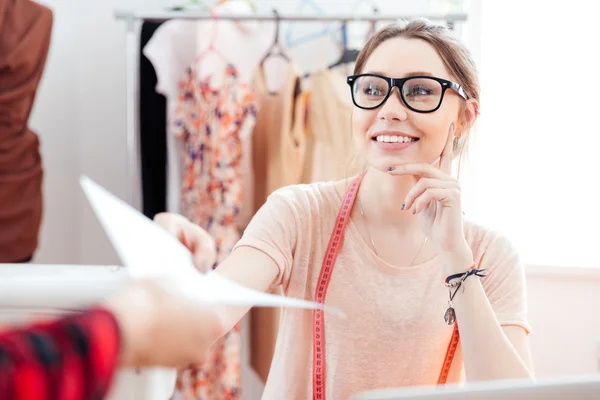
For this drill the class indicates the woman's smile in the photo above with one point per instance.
(392, 140)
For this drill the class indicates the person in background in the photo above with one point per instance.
(25, 30)
(75, 357)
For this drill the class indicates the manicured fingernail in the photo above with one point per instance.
(402, 207)
(391, 168)
(414, 211)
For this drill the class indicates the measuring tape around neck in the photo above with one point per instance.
(333, 249)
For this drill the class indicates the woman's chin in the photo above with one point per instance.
(384, 164)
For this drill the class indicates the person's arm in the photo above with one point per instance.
(491, 316)
(491, 320)
(75, 357)
(261, 259)
(251, 268)
(70, 358)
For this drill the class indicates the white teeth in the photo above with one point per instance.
(394, 139)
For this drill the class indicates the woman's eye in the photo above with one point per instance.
(419, 91)
(373, 90)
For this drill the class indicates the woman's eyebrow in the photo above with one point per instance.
(414, 73)
(419, 73)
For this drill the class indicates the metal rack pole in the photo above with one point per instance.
(130, 106)
(193, 15)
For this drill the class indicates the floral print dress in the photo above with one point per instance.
(212, 123)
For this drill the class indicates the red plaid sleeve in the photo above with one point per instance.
(71, 358)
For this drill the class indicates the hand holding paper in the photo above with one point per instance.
(148, 251)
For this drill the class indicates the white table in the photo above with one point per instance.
(30, 291)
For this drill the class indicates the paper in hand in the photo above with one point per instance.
(149, 251)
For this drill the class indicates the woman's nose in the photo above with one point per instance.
(393, 108)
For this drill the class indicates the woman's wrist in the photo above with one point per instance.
(458, 261)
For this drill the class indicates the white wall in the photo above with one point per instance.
(566, 326)
(538, 133)
(79, 115)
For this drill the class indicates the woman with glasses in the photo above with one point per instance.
(428, 296)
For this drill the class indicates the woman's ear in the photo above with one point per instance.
(470, 114)
(466, 119)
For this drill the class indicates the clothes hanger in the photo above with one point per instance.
(291, 42)
(374, 9)
(372, 3)
(276, 49)
(211, 45)
(348, 56)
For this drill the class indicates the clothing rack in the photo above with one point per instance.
(195, 15)
(132, 17)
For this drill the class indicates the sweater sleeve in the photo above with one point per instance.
(71, 358)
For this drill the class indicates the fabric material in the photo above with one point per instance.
(153, 132)
(279, 151)
(25, 260)
(331, 148)
(400, 308)
(25, 30)
(174, 47)
(274, 137)
(171, 50)
(213, 123)
(72, 358)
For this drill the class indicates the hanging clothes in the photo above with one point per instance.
(25, 30)
(331, 147)
(212, 124)
(153, 132)
(294, 144)
(279, 150)
(278, 146)
(173, 48)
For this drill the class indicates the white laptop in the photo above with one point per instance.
(585, 387)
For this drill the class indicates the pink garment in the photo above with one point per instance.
(394, 334)
(212, 123)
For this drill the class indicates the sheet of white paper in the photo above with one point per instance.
(148, 251)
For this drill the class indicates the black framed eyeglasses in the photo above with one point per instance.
(422, 94)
